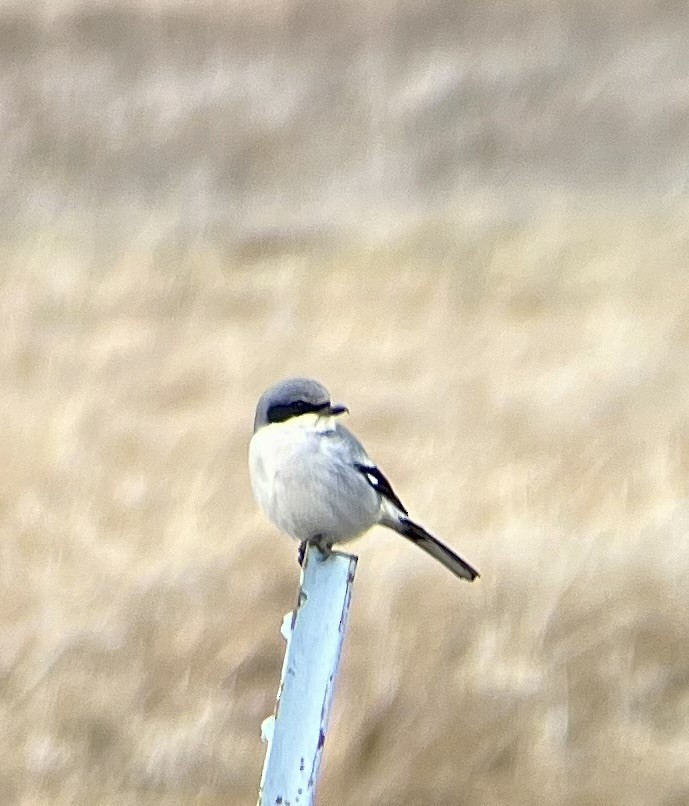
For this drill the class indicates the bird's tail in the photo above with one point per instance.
(438, 550)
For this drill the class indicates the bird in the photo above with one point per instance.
(314, 480)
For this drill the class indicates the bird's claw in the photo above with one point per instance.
(324, 548)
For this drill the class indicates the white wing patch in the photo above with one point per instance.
(380, 484)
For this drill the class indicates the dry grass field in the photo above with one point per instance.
(471, 222)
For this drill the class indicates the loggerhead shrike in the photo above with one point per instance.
(314, 480)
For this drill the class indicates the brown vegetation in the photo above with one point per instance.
(503, 306)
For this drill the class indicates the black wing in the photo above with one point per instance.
(380, 484)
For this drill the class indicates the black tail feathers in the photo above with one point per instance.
(438, 550)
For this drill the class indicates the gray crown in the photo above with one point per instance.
(285, 394)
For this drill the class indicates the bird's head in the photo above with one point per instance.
(295, 397)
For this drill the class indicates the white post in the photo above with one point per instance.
(314, 635)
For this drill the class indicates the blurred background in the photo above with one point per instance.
(469, 220)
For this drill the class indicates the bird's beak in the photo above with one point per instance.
(336, 408)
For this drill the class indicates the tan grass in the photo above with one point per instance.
(535, 419)
(468, 220)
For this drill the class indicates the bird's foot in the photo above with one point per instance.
(323, 546)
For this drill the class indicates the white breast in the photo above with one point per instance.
(302, 480)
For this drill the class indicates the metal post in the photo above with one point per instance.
(314, 635)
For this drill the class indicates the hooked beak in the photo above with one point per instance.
(334, 409)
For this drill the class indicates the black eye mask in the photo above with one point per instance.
(279, 412)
